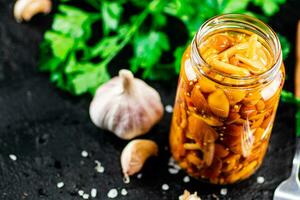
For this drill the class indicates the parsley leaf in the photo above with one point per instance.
(285, 46)
(73, 22)
(59, 44)
(269, 7)
(148, 49)
(233, 6)
(111, 13)
(93, 76)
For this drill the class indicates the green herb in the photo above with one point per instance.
(285, 46)
(78, 60)
(288, 97)
(269, 7)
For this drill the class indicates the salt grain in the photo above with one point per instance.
(112, 193)
(99, 168)
(223, 191)
(93, 192)
(215, 196)
(60, 184)
(84, 154)
(173, 170)
(139, 176)
(85, 196)
(80, 192)
(165, 187)
(172, 163)
(186, 179)
(169, 108)
(260, 180)
(126, 179)
(124, 192)
(13, 157)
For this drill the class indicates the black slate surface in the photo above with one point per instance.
(47, 129)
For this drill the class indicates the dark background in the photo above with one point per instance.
(47, 129)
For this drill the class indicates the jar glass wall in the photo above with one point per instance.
(228, 92)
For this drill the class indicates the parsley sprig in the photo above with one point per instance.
(79, 66)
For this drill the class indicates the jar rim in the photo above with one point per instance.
(250, 23)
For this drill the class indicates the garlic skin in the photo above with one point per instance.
(26, 9)
(135, 154)
(188, 196)
(126, 106)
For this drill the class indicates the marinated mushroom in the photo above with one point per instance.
(221, 132)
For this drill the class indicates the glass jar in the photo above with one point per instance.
(224, 113)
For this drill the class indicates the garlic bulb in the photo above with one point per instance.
(26, 9)
(135, 154)
(126, 106)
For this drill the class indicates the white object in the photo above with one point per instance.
(165, 187)
(85, 196)
(260, 179)
(13, 157)
(99, 168)
(84, 154)
(80, 192)
(126, 106)
(169, 109)
(188, 196)
(173, 170)
(124, 192)
(60, 184)
(172, 163)
(112, 193)
(93, 192)
(223, 191)
(186, 179)
(139, 176)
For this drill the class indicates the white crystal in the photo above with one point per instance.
(112, 193)
(85, 196)
(80, 192)
(260, 179)
(169, 109)
(165, 187)
(93, 192)
(223, 191)
(13, 157)
(84, 154)
(124, 192)
(186, 179)
(60, 184)
(173, 170)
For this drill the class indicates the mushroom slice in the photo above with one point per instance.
(219, 103)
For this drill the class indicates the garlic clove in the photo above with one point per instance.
(135, 154)
(26, 9)
(188, 196)
(126, 106)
